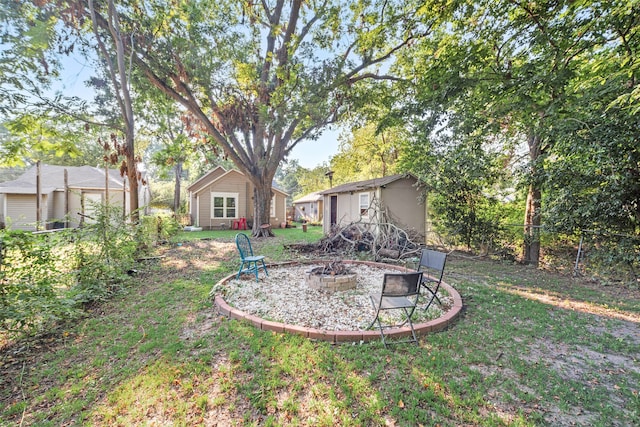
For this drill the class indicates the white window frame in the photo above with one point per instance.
(272, 211)
(225, 208)
(364, 207)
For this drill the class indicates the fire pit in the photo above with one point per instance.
(333, 276)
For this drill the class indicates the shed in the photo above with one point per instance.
(309, 207)
(398, 196)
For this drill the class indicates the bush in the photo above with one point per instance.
(46, 277)
(157, 228)
(31, 282)
(103, 253)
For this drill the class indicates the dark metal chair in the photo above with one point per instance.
(432, 265)
(400, 291)
(252, 262)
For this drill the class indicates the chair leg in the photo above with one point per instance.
(413, 331)
(240, 270)
(264, 267)
(384, 341)
(433, 296)
(255, 269)
(373, 304)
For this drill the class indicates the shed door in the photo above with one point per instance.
(334, 210)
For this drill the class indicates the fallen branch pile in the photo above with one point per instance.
(383, 240)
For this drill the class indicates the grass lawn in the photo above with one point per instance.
(530, 348)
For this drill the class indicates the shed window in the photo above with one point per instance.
(224, 205)
(364, 204)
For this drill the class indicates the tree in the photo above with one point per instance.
(263, 76)
(26, 62)
(175, 151)
(28, 66)
(508, 69)
(367, 153)
(111, 46)
(287, 178)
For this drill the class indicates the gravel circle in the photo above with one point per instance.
(284, 297)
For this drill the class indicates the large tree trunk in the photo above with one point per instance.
(120, 86)
(261, 209)
(532, 221)
(531, 252)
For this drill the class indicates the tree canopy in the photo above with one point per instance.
(261, 77)
(508, 72)
(540, 98)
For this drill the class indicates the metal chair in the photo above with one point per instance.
(432, 264)
(253, 262)
(400, 291)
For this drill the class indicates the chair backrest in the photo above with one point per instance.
(244, 245)
(401, 284)
(432, 262)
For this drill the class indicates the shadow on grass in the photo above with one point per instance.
(160, 354)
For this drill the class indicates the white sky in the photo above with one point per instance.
(308, 153)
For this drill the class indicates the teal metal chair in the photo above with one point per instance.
(250, 263)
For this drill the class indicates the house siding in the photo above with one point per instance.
(312, 211)
(3, 208)
(233, 182)
(21, 211)
(348, 209)
(403, 193)
(281, 211)
(83, 179)
(75, 208)
(58, 212)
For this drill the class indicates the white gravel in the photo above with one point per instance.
(283, 296)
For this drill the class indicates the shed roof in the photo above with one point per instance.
(366, 185)
(52, 179)
(311, 197)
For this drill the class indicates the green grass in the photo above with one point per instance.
(161, 355)
(288, 235)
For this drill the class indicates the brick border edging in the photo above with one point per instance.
(434, 325)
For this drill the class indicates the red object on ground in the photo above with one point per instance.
(242, 223)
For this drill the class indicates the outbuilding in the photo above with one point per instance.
(395, 198)
(69, 196)
(309, 207)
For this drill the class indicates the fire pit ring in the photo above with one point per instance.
(423, 328)
(333, 276)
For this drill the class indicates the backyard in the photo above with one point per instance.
(531, 347)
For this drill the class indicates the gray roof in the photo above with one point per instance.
(311, 197)
(52, 179)
(365, 185)
(207, 179)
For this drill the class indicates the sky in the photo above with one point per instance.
(313, 153)
(308, 153)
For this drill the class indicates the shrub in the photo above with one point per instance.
(31, 282)
(103, 254)
(45, 277)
